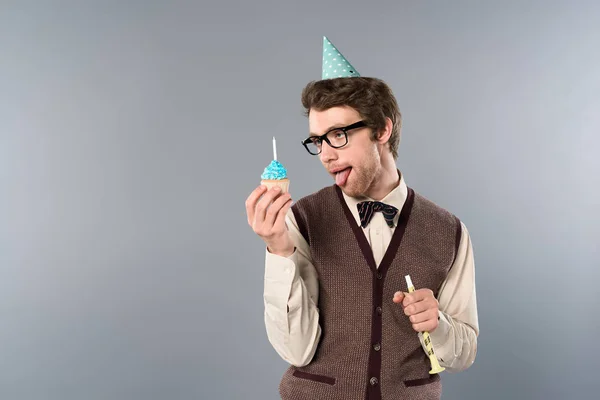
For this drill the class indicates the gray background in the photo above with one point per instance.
(132, 132)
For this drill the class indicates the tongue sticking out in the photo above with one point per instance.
(342, 176)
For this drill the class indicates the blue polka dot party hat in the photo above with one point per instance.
(335, 64)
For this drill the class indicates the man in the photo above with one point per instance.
(336, 301)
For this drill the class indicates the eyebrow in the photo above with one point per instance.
(336, 126)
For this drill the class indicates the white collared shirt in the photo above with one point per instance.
(377, 232)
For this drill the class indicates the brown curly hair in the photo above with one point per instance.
(372, 98)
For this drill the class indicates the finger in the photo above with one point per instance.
(251, 202)
(418, 307)
(398, 297)
(427, 315)
(280, 220)
(426, 304)
(429, 326)
(274, 209)
(263, 204)
(417, 295)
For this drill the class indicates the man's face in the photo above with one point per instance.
(354, 166)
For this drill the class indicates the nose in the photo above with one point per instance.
(328, 153)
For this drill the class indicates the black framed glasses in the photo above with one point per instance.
(336, 138)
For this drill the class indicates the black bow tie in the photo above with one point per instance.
(366, 209)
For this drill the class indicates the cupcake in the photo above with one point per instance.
(275, 174)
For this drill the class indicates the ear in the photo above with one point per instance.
(385, 134)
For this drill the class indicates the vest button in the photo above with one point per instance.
(379, 310)
(373, 381)
(379, 275)
(377, 346)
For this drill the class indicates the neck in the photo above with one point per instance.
(386, 181)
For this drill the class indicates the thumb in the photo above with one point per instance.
(398, 297)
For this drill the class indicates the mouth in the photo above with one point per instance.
(341, 175)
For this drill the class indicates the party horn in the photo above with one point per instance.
(435, 365)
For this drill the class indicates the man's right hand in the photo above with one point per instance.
(266, 216)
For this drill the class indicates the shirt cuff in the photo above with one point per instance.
(280, 273)
(279, 267)
(441, 335)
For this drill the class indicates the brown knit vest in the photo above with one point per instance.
(368, 348)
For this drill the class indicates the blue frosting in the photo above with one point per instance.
(274, 171)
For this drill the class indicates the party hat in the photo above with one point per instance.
(335, 64)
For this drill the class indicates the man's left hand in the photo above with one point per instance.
(421, 307)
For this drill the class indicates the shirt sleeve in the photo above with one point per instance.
(455, 339)
(290, 301)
